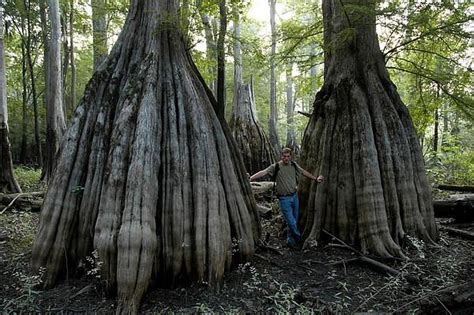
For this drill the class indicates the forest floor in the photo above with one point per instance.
(277, 279)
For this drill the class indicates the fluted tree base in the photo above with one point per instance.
(148, 176)
(361, 137)
(257, 152)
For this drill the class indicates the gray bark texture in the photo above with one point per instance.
(7, 179)
(55, 121)
(148, 175)
(211, 47)
(99, 31)
(249, 135)
(272, 122)
(361, 137)
(221, 95)
(290, 111)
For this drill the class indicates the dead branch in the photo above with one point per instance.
(264, 246)
(23, 200)
(451, 288)
(456, 188)
(457, 232)
(304, 113)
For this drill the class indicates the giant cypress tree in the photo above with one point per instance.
(148, 175)
(361, 137)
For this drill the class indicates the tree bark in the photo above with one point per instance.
(39, 151)
(211, 47)
(8, 182)
(55, 122)
(436, 131)
(221, 97)
(361, 137)
(246, 130)
(148, 174)
(272, 122)
(256, 149)
(238, 81)
(72, 95)
(99, 31)
(24, 99)
(290, 110)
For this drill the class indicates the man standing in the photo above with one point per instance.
(285, 174)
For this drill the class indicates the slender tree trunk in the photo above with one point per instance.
(361, 137)
(272, 123)
(99, 31)
(221, 99)
(313, 73)
(55, 123)
(66, 59)
(24, 100)
(436, 131)
(445, 124)
(7, 179)
(164, 196)
(237, 58)
(45, 34)
(211, 47)
(436, 126)
(72, 92)
(290, 110)
(246, 130)
(39, 151)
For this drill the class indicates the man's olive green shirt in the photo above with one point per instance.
(287, 177)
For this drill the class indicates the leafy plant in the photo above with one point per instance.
(29, 178)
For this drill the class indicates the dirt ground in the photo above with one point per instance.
(321, 279)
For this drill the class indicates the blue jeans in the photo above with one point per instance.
(290, 207)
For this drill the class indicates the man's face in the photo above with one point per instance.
(286, 157)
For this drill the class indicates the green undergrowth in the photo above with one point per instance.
(20, 229)
(29, 178)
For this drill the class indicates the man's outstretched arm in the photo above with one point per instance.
(258, 175)
(319, 179)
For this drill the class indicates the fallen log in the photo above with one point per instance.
(261, 188)
(456, 188)
(264, 212)
(460, 207)
(33, 200)
(457, 232)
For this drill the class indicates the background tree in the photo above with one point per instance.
(7, 179)
(99, 26)
(149, 176)
(250, 137)
(272, 122)
(55, 122)
(221, 97)
(210, 69)
(361, 137)
(290, 110)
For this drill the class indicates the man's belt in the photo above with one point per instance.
(288, 195)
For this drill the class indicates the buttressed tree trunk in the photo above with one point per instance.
(249, 135)
(251, 139)
(148, 175)
(7, 180)
(361, 137)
